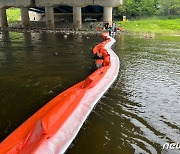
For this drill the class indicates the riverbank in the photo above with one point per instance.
(146, 27)
(38, 27)
(153, 26)
(13, 15)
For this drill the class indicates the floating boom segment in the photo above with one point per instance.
(54, 126)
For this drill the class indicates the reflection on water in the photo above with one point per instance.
(138, 114)
(35, 67)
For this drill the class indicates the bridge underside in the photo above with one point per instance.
(69, 9)
(76, 8)
(66, 13)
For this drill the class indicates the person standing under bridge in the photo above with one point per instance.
(91, 25)
(106, 25)
(114, 27)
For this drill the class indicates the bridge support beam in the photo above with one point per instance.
(25, 17)
(77, 17)
(107, 15)
(49, 13)
(3, 18)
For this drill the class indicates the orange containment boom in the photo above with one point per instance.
(52, 129)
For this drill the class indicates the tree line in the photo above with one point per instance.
(139, 8)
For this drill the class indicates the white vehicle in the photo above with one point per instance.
(90, 19)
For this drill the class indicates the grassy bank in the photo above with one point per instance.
(13, 15)
(153, 25)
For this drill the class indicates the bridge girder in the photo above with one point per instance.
(79, 3)
(54, 3)
(17, 3)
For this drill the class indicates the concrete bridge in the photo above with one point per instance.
(24, 5)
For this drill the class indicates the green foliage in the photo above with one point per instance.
(139, 8)
(169, 7)
(13, 15)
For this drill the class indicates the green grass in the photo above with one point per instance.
(13, 15)
(153, 25)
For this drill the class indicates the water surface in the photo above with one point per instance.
(141, 110)
(34, 68)
(138, 114)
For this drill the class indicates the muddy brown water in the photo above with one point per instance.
(138, 114)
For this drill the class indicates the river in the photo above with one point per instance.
(138, 114)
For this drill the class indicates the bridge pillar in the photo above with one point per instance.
(3, 18)
(25, 17)
(77, 17)
(49, 13)
(107, 15)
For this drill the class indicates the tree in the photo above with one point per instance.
(169, 7)
(136, 8)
